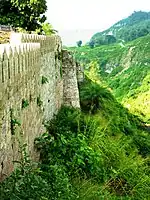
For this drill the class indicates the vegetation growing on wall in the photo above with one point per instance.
(14, 122)
(25, 103)
(48, 29)
(39, 101)
(44, 80)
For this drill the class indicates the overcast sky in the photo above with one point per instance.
(90, 14)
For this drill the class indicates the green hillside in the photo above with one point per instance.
(128, 29)
(125, 69)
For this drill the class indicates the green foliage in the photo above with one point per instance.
(25, 182)
(44, 80)
(14, 123)
(115, 71)
(25, 14)
(106, 56)
(91, 44)
(25, 103)
(125, 68)
(109, 39)
(79, 43)
(103, 151)
(90, 155)
(39, 101)
(123, 86)
(103, 40)
(119, 120)
(48, 29)
(131, 85)
(91, 95)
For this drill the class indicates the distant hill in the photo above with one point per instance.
(128, 29)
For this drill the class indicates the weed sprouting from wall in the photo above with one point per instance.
(25, 103)
(39, 101)
(44, 80)
(14, 122)
(61, 72)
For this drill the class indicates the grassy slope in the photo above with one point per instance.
(132, 85)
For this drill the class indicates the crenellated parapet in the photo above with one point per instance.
(17, 59)
(47, 43)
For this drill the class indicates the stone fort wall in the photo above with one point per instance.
(37, 77)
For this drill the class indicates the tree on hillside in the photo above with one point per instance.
(27, 14)
(142, 32)
(79, 43)
(98, 41)
(109, 39)
(138, 16)
(91, 44)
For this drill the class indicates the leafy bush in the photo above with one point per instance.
(30, 181)
(67, 146)
(25, 182)
(91, 95)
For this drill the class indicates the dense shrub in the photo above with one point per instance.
(91, 96)
(88, 155)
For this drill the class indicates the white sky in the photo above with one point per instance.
(90, 14)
